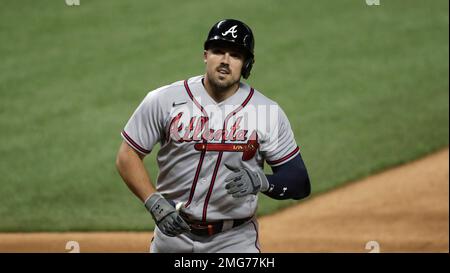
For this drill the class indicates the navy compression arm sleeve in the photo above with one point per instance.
(289, 181)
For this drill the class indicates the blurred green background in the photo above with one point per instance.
(364, 87)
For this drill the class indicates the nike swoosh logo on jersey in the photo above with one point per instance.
(180, 103)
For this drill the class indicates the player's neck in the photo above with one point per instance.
(219, 94)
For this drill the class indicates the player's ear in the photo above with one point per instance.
(205, 55)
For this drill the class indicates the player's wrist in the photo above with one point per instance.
(151, 200)
(263, 180)
(155, 198)
(158, 206)
(258, 179)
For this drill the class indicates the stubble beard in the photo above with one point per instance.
(221, 85)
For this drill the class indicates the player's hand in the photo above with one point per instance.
(165, 215)
(244, 181)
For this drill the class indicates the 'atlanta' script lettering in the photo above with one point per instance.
(198, 129)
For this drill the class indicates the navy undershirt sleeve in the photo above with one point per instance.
(289, 180)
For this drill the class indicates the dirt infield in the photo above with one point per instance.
(405, 209)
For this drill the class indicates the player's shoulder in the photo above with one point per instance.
(167, 92)
(258, 97)
(169, 89)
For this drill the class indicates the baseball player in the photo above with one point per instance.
(215, 133)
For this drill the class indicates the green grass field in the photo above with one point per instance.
(364, 87)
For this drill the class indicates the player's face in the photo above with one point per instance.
(223, 66)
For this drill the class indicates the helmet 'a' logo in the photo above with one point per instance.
(232, 30)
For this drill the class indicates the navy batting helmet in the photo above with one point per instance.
(237, 33)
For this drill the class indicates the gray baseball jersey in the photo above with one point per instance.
(198, 135)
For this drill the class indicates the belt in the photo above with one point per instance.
(200, 228)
